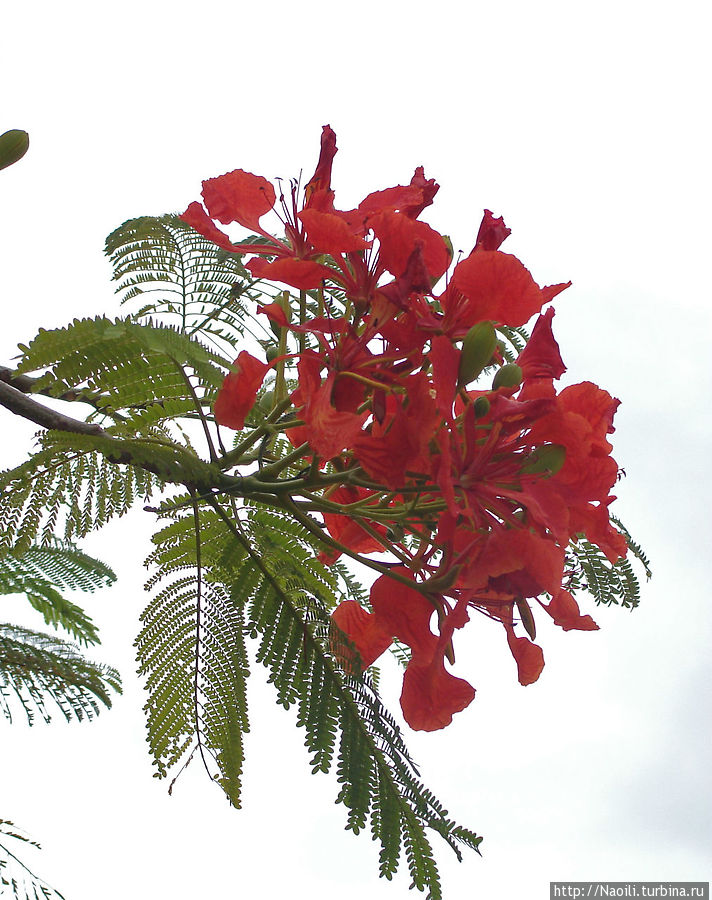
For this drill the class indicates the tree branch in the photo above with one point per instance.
(22, 405)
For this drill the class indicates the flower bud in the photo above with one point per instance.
(508, 376)
(267, 401)
(13, 146)
(478, 346)
(482, 407)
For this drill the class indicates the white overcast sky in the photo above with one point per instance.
(584, 125)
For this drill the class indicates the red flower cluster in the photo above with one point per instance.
(485, 487)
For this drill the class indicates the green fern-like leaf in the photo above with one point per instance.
(126, 367)
(379, 782)
(36, 667)
(40, 572)
(608, 583)
(66, 488)
(634, 547)
(191, 651)
(264, 571)
(16, 879)
(180, 277)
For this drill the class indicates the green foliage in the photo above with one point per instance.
(36, 667)
(179, 275)
(129, 371)
(609, 583)
(65, 489)
(190, 651)
(16, 880)
(39, 571)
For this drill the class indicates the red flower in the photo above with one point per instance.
(237, 395)
(431, 695)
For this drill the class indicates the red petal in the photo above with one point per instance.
(522, 563)
(237, 395)
(492, 233)
(564, 610)
(331, 234)
(320, 182)
(303, 274)
(446, 362)
(541, 357)
(197, 218)
(553, 290)
(347, 530)
(399, 235)
(406, 614)
(431, 696)
(391, 199)
(498, 287)
(328, 430)
(429, 188)
(595, 405)
(239, 196)
(593, 521)
(364, 630)
(528, 657)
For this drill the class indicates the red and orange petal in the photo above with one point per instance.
(521, 563)
(320, 182)
(329, 233)
(431, 695)
(364, 629)
(328, 430)
(237, 395)
(405, 613)
(564, 610)
(197, 218)
(347, 530)
(429, 188)
(240, 197)
(593, 521)
(541, 357)
(398, 236)
(302, 274)
(498, 287)
(595, 405)
(528, 656)
(492, 232)
(400, 198)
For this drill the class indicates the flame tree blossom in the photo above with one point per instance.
(427, 426)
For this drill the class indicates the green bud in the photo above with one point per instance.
(272, 352)
(267, 401)
(526, 616)
(448, 243)
(508, 376)
(482, 407)
(547, 459)
(13, 146)
(478, 346)
(284, 302)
